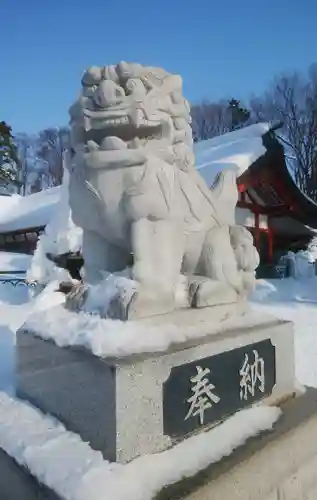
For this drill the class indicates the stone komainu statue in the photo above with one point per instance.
(134, 190)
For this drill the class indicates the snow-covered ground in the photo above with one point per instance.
(14, 304)
(294, 300)
(62, 461)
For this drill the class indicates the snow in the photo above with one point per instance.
(13, 311)
(301, 263)
(8, 204)
(294, 300)
(10, 261)
(312, 248)
(14, 305)
(66, 464)
(107, 337)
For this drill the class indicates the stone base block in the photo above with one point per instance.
(144, 404)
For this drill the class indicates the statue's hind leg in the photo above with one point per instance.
(158, 251)
(219, 280)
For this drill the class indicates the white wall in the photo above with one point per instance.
(245, 217)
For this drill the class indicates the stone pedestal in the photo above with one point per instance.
(144, 404)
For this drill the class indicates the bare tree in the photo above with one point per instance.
(292, 99)
(210, 119)
(52, 142)
(26, 160)
(37, 182)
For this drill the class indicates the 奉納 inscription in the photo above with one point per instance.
(206, 390)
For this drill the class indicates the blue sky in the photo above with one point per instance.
(221, 48)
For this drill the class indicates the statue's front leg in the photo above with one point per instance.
(101, 260)
(101, 257)
(158, 251)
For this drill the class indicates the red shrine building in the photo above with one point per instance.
(282, 217)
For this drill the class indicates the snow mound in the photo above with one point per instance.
(285, 290)
(293, 300)
(302, 264)
(60, 236)
(62, 461)
(263, 290)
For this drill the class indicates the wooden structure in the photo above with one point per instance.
(280, 216)
(21, 241)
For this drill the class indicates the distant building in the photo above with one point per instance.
(283, 217)
(23, 219)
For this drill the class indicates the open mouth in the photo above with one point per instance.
(123, 134)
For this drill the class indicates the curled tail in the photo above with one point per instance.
(222, 196)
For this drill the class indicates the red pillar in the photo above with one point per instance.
(270, 245)
(257, 230)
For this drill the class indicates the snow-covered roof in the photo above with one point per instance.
(238, 150)
(22, 212)
(235, 150)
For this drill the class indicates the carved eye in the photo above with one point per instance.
(135, 86)
(119, 92)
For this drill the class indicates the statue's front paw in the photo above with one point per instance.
(143, 305)
(206, 292)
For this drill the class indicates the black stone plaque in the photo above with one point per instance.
(201, 392)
